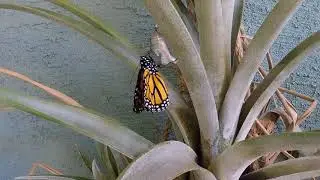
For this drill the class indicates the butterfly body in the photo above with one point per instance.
(151, 93)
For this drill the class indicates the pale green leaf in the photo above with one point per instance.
(51, 177)
(92, 33)
(85, 159)
(260, 96)
(172, 27)
(87, 17)
(186, 121)
(293, 169)
(177, 108)
(236, 23)
(97, 173)
(102, 129)
(105, 161)
(176, 130)
(259, 46)
(231, 163)
(167, 160)
(307, 175)
(229, 9)
(112, 161)
(215, 46)
(121, 162)
(187, 19)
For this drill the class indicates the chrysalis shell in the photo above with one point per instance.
(160, 48)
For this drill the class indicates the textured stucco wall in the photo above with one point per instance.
(65, 60)
(305, 79)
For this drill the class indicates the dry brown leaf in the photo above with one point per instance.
(308, 111)
(55, 93)
(45, 167)
(265, 126)
(290, 110)
(5, 108)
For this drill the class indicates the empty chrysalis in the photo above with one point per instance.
(160, 49)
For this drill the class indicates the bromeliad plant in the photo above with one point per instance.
(213, 124)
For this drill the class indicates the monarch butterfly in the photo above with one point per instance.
(151, 93)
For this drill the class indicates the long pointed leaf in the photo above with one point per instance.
(51, 177)
(228, 10)
(121, 161)
(214, 45)
(84, 15)
(85, 160)
(186, 50)
(177, 108)
(55, 93)
(102, 129)
(97, 173)
(261, 43)
(188, 20)
(167, 160)
(189, 128)
(272, 82)
(184, 118)
(112, 161)
(298, 176)
(290, 169)
(105, 162)
(236, 23)
(231, 163)
(92, 33)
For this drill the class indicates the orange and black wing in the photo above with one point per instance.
(156, 93)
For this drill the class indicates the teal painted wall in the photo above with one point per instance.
(65, 60)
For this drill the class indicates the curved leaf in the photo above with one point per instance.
(102, 129)
(215, 45)
(167, 160)
(231, 163)
(260, 96)
(186, 121)
(258, 48)
(298, 176)
(236, 23)
(186, 50)
(188, 128)
(120, 161)
(92, 33)
(290, 169)
(51, 177)
(84, 15)
(55, 93)
(183, 117)
(105, 162)
(97, 173)
(85, 159)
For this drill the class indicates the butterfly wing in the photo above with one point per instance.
(151, 92)
(138, 101)
(156, 93)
